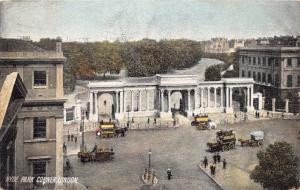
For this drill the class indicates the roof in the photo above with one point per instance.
(269, 48)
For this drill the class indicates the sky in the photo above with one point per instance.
(98, 20)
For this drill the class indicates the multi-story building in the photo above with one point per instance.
(217, 45)
(39, 141)
(275, 69)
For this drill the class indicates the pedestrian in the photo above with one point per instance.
(69, 137)
(72, 137)
(215, 158)
(65, 148)
(267, 114)
(235, 115)
(169, 173)
(68, 164)
(148, 120)
(154, 120)
(132, 120)
(75, 139)
(218, 157)
(224, 164)
(211, 169)
(258, 114)
(205, 162)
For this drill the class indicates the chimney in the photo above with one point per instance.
(58, 47)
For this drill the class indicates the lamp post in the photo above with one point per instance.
(84, 111)
(149, 153)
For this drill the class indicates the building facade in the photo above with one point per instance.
(39, 141)
(275, 70)
(161, 95)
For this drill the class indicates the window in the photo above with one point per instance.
(70, 114)
(39, 170)
(40, 78)
(276, 62)
(298, 62)
(258, 61)
(242, 57)
(249, 60)
(258, 76)
(298, 82)
(243, 73)
(270, 78)
(269, 61)
(289, 81)
(254, 60)
(39, 127)
(249, 73)
(289, 62)
(264, 77)
(264, 61)
(276, 80)
(254, 75)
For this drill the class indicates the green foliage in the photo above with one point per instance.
(228, 59)
(212, 73)
(277, 167)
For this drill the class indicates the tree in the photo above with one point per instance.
(212, 73)
(277, 167)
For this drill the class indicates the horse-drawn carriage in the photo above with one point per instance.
(225, 141)
(256, 139)
(109, 130)
(97, 154)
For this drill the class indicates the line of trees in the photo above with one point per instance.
(141, 58)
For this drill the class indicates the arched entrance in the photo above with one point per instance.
(106, 106)
(176, 101)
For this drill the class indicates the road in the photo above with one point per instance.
(180, 149)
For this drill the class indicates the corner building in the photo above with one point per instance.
(39, 141)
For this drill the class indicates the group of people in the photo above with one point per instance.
(72, 138)
(257, 114)
(216, 159)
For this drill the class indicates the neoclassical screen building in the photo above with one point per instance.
(161, 95)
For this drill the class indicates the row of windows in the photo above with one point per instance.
(262, 77)
(264, 61)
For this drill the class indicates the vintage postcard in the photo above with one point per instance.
(149, 94)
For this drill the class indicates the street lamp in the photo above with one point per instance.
(149, 153)
(85, 112)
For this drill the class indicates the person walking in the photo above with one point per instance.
(218, 157)
(68, 165)
(213, 169)
(72, 137)
(169, 174)
(75, 139)
(224, 164)
(148, 120)
(205, 162)
(65, 148)
(215, 158)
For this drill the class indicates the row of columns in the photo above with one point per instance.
(121, 104)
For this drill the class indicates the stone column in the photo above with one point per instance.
(248, 96)
(230, 91)
(263, 103)
(140, 101)
(121, 102)
(215, 97)
(169, 101)
(227, 97)
(273, 104)
(125, 102)
(148, 101)
(92, 109)
(162, 100)
(117, 102)
(196, 97)
(287, 105)
(251, 96)
(208, 97)
(202, 99)
(189, 100)
(96, 105)
(132, 100)
(222, 98)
